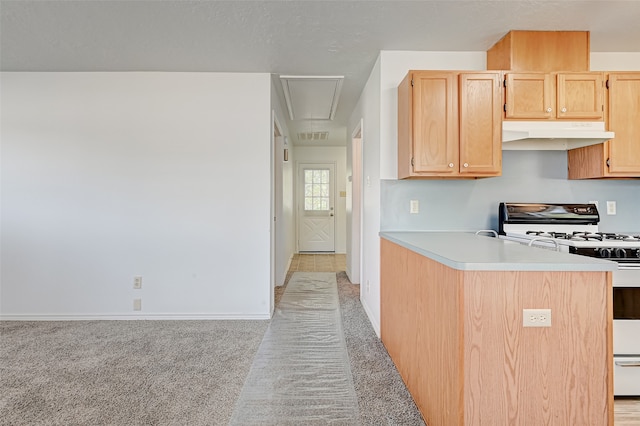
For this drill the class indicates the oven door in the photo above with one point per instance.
(626, 311)
(626, 331)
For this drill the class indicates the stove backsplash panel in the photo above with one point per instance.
(527, 176)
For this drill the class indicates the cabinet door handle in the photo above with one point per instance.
(450, 164)
(549, 109)
(466, 164)
(563, 110)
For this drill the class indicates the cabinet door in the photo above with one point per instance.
(624, 120)
(435, 131)
(480, 124)
(529, 95)
(579, 96)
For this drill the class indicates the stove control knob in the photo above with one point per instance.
(620, 253)
(605, 253)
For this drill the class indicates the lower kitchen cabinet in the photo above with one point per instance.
(619, 157)
(458, 341)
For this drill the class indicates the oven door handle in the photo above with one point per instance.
(628, 363)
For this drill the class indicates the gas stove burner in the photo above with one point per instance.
(586, 236)
(619, 237)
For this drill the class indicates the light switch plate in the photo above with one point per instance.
(611, 207)
(414, 207)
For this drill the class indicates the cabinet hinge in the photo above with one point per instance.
(505, 108)
(607, 84)
(411, 82)
(411, 161)
(608, 162)
(504, 83)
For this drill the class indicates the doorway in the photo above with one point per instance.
(316, 207)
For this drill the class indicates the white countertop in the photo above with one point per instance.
(470, 252)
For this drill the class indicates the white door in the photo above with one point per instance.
(316, 208)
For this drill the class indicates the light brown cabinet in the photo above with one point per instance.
(456, 337)
(554, 96)
(544, 51)
(619, 157)
(449, 125)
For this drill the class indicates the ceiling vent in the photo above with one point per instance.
(311, 97)
(313, 136)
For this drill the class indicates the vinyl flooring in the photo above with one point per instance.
(627, 410)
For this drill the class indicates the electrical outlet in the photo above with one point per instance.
(536, 317)
(611, 207)
(414, 207)
(137, 304)
(137, 282)
(594, 202)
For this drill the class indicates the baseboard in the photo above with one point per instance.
(374, 324)
(129, 317)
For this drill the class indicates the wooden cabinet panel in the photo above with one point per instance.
(480, 131)
(435, 136)
(543, 51)
(580, 96)
(449, 125)
(558, 96)
(457, 339)
(624, 120)
(620, 157)
(529, 95)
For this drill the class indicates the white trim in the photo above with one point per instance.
(128, 317)
(374, 324)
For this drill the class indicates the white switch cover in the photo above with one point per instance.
(611, 207)
(415, 207)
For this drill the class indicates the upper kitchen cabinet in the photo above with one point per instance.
(619, 157)
(554, 96)
(544, 51)
(449, 125)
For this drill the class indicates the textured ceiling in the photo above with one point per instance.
(284, 37)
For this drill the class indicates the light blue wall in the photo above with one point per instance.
(527, 176)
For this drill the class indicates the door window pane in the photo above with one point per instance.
(316, 189)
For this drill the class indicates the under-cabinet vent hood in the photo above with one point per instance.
(552, 135)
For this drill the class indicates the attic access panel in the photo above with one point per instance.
(311, 97)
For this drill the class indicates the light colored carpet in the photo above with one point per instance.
(169, 372)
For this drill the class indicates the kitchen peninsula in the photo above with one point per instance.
(452, 321)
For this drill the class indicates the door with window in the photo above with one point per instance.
(316, 214)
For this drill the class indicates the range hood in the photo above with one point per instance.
(552, 135)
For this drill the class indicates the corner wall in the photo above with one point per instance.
(107, 176)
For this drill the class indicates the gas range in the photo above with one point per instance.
(570, 228)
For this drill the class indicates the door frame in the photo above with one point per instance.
(277, 138)
(300, 200)
(354, 220)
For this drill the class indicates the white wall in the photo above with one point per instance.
(285, 223)
(329, 154)
(378, 108)
(368, 109)
(110, 175)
